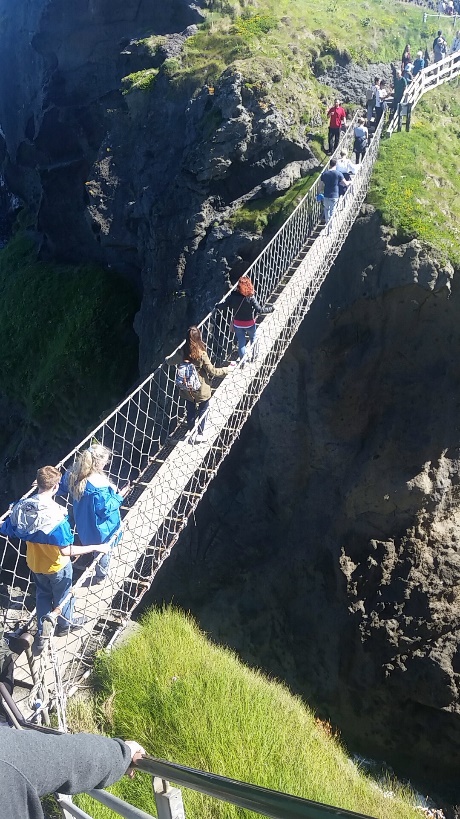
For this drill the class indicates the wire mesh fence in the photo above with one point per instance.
(146, 433)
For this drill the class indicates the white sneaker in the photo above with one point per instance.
(200, 437)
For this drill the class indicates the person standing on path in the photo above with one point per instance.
(419, 64)
(332, 179)
(406, 58)
(439, 47)
(44, 525)
(400, 86)
(371, 96)
(337, 117)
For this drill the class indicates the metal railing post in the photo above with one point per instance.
(167, 799)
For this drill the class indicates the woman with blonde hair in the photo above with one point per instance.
(245, 307)
(194, 375)
(96, 503)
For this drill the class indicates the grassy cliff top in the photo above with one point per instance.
(192, 702)
(281, 46)
(415, 183)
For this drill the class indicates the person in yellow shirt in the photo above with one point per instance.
(44, 525)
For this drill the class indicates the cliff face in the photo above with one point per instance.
(327, 550)
(143, 180)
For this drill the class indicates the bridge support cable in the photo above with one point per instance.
(146, 434)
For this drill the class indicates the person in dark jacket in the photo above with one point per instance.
(96, 503)
(197, 400)
(245, 307)
(400, 85)
(33, 765)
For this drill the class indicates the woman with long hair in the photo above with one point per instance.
(245, 307)
(96, 503)
(198, 376)
(406, 58)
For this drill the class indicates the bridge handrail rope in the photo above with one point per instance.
(145, 432)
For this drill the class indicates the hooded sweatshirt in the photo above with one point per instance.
(33, 764)
(43, 524)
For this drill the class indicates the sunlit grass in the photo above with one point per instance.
(192, 702)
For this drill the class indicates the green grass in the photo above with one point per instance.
(295, 35)
(415, 181)
(140, 80)
(365, 32)
(189, 701)
(271, 211)
(67, 350)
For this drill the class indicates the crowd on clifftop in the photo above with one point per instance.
(337, 178)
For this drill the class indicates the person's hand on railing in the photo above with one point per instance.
(137, 752)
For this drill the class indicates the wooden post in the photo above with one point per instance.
(408, 115)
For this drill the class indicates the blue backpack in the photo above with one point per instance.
(187, 377)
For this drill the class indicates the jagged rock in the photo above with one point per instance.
(351, 80)
(290, 174)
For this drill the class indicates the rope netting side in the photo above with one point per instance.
(169, 476)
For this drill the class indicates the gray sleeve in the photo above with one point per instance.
(66, 763)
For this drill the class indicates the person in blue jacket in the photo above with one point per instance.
(96, 503)
(43, 524)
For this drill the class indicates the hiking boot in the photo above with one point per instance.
(21, 643)
(75, 625)
(38, 645)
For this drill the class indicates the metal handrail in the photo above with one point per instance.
(265, 801)
(270, 803)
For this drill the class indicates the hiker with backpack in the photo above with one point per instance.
(194, 375)
(245, 307)
(439, 47)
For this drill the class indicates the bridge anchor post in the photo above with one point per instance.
(168, 800)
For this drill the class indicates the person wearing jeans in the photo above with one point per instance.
(244, 306)
(96, 503)
(332, 179)
(44, 525)
(337, 117)
(197, 400)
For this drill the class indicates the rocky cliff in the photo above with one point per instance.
(139, 176)
(327, 551)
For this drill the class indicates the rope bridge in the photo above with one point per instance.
(146, 434)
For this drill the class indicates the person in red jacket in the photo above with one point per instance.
(337, 116)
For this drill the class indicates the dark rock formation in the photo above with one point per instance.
(327, 552)
(142, 181)
(352, 81)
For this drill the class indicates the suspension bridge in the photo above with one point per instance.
(146, 434)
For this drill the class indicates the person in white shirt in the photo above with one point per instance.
(346, 167)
